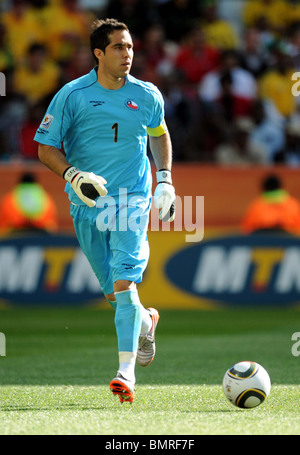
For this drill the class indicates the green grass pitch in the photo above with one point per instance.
(55, 376)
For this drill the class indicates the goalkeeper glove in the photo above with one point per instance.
(164, 195)
(86, 185)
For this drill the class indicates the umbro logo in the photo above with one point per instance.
(97, 103)
(128, 266)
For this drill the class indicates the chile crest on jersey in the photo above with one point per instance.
(131, 104)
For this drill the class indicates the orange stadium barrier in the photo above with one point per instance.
(226, 191)
(215, 268)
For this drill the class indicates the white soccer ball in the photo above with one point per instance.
(246, 384)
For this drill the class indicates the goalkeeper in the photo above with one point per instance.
(103, 120)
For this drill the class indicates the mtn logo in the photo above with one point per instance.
(240, 270)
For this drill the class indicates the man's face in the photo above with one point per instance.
(116, 61)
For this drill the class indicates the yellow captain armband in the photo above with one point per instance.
(158, 131)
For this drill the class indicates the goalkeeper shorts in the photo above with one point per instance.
(114, 239)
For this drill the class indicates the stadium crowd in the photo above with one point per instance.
(226, 69)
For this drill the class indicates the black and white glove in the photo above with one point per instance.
(86, 185)
(164, 196)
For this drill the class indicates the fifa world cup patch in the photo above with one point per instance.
(48, 119)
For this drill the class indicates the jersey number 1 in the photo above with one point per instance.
(116, 128)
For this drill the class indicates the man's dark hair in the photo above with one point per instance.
(27, 177)
(36, 47)
(101, 30)
(271, 183)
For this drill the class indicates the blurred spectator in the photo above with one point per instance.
(38, 76)
(82, 64)
(22, 29)
(267, 132)
(239, 150)
(218, 32)
(227, 94)
(293, 44)
(201, 137)
(290, 152)
(294, 13)
(6, 58)
(267, 36)
(254, 56)
(179, 111)
(195, 57)
(13, 112)
(141, 69)
(137, 14)
(27, 146)
(67, 26)
(232, 11)
(178, 16)
(97, 6)
(40, 10)
(273, 210)
(275, 13)
(28, 207)
(153, 55)
(232, 105)
(276, 83)
(243, 83)
(154, 46)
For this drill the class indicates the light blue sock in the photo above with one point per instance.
(128, 320)
(146, 320)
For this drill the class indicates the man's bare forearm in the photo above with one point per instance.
(161, 149)
(53, 158)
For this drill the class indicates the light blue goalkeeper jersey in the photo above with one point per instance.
(105, 131)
